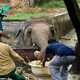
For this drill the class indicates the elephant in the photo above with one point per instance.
(37, 32)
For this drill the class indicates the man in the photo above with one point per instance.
(63, 57)
(7, 66)
(1, 28)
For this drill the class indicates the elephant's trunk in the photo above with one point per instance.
(40, 38)
(42, 52)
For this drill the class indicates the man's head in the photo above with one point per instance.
(51, 41)
(2, 15)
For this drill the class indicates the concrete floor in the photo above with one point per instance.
(70, 40)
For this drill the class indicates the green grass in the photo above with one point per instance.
(78, 1)
(28, 14)
(25, 15)
(52, 4)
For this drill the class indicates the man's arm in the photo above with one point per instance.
(15, 56)
(44, 60)
(4, 34)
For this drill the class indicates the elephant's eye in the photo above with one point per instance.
(29, 32)
(52, 30)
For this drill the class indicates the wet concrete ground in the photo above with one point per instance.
(70, 77)
(70, 40)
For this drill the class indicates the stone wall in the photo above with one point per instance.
(26, 52)
(11, 27)
(63, 23)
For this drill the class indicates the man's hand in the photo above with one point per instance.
(43, 63)
(25, 63)
(44, 60)
(9, 37)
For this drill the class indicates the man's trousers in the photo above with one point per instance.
(58, 67)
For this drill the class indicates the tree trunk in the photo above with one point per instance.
(74, 13)
(31, 3)
(76, 63)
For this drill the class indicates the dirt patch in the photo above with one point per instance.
(43, 10)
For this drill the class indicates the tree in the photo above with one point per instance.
(74, 13)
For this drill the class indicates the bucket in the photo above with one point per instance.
(38, 70)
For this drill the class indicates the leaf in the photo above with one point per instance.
(74, 77)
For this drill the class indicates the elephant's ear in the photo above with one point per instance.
(19, 38)
(29, 31)
(17, 34)
(53, 30)
(27, 23)
(54, 33)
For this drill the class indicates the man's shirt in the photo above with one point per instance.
(6, 59)
(58, 48)
(1, 28)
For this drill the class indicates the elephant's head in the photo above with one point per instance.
(37, 32)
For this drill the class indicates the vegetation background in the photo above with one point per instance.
(46, 9)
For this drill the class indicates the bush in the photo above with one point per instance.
(51, 4)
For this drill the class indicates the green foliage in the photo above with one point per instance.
(25, 15)
(78, 1)
(79, 78)
(52, 4)
(74, 77)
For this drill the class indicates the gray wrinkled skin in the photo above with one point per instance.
(37, 31)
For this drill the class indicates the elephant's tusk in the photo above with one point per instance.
(34, 44)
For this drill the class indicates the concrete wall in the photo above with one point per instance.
(61, 21)
(11, 27)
